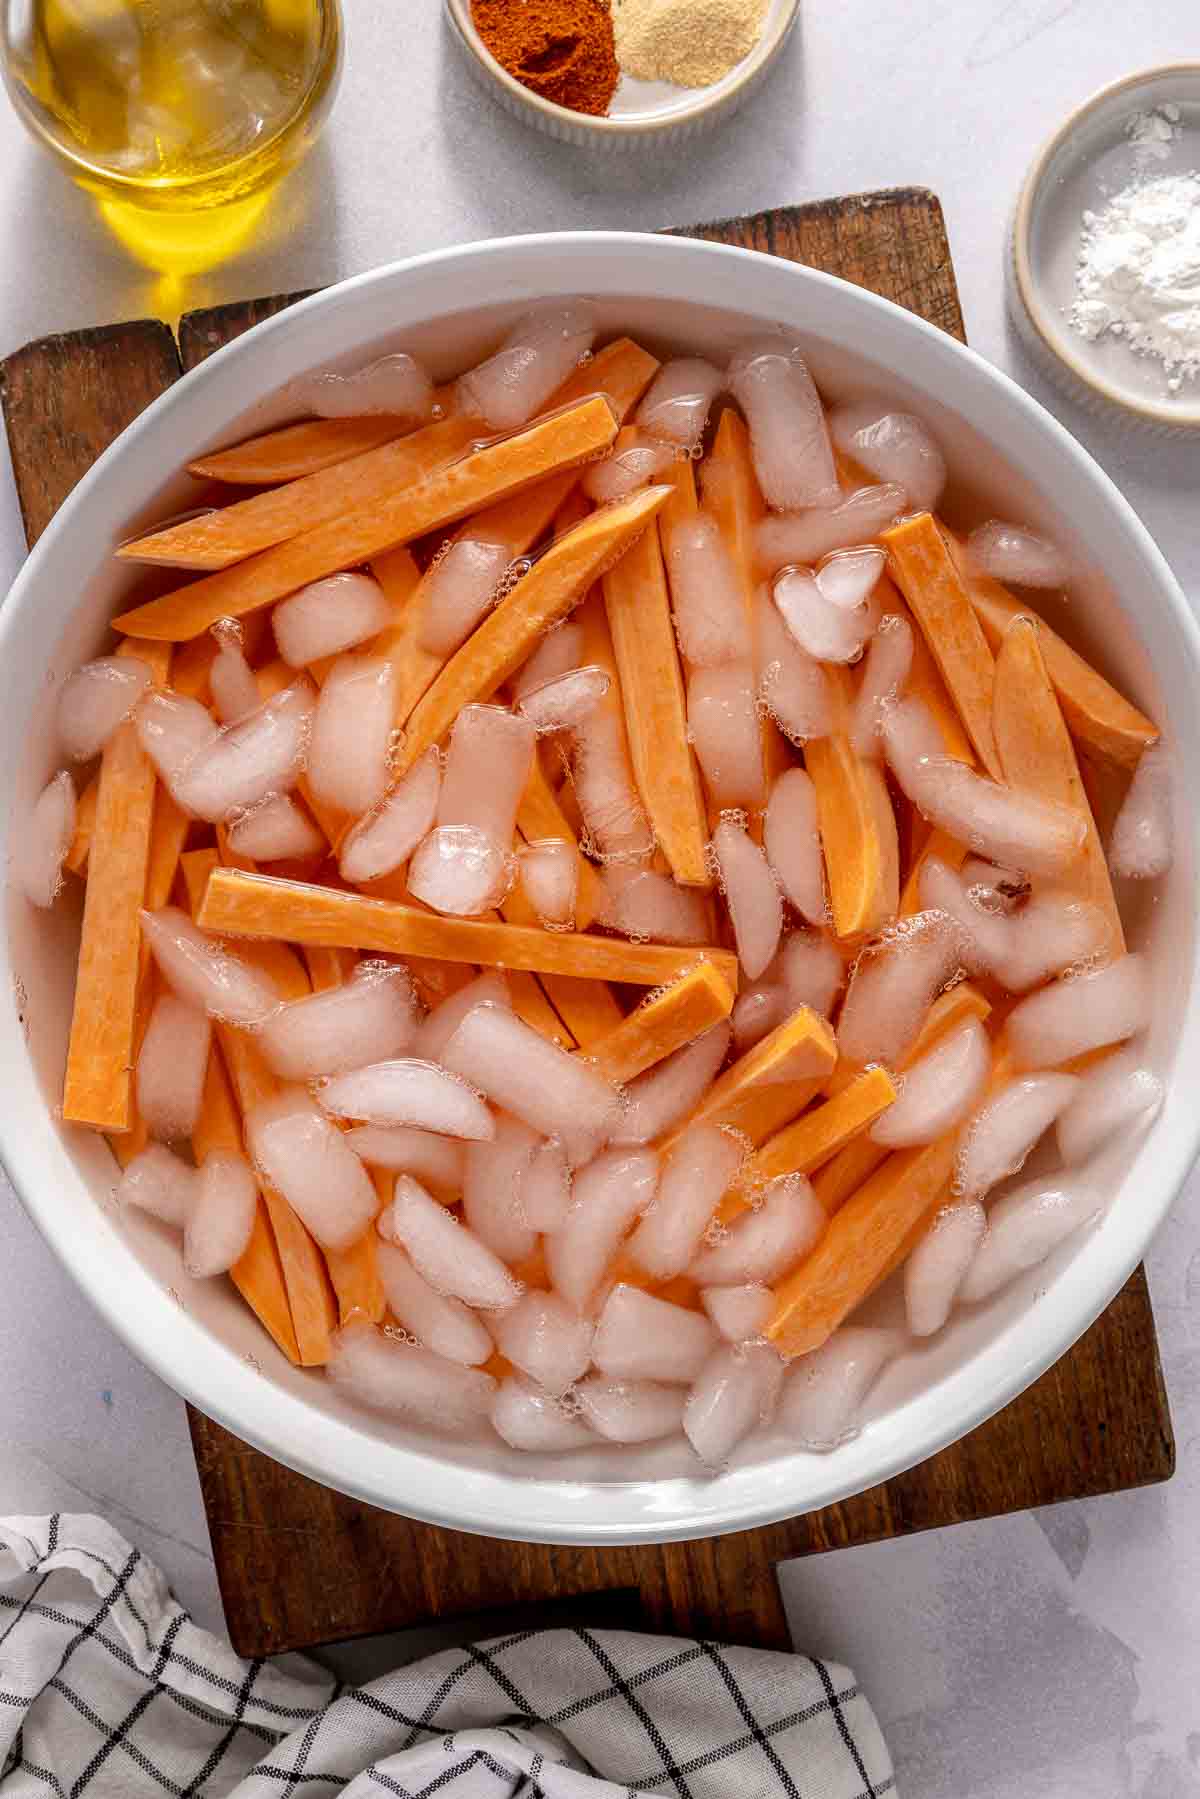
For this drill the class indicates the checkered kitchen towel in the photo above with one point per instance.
(108, 1688)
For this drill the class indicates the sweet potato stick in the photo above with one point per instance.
(532, 1004)
(813, 1139)
(297, 912)
(684, 502)
(541, 815)
(314, 1313)
(857, 824)
(217, 539)
(258, 1272)
(355, 1271)
(845, 1172)
(294, 451)
(1038, 757)
(543, 596)
(76, 857)
(587, 1008)
(1101, 720)
(858, 1247)
(924, 682)
(98, 1088)
(652, 694)
(766, 1088)
(663, 1023)
(926, 575)
(383, 515)
(328, 967)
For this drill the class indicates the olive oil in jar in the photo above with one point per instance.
(174, 106)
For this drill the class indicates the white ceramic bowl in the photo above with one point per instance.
(1128, 614)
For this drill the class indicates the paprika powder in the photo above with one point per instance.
(561, 50)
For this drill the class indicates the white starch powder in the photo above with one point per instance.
(1138, 274)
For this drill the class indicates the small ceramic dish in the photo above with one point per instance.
(640, 109)
(1091, 157)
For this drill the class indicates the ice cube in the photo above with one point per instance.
(634, 461)
(793, 844)
(766, 1241)
(459, 589)
(397, 385)
(677, 403)
(172, 729)
(537, 355)
(1000, 1136)
(529, 1419)
(1052, 932)
(610, 1194)
(491, 1189)
(758, 1009)
(306, 1158)
(549, 871)
(808, 971)
(406, 1382)
(702, 1165)
(894, 982)
(329, 616)
(630, 1411)
(644, 904)
(985, 939)
(95, 699)
(275, 830)
(751, 894)
(220, 1220)
(171, 1067)
(406, 1090)
(439, 1163)
(544, 1196)
(995, 889)
(449, 1256)
(460, 871)
(262, 754)
(1023, 1228)
(40, 849)
(825, 1389)
(847, 578)
(1074, 1016)
(1141, 843)
(804, 537)
(937, 1266)
(885, 671)
(791, 685)
(547, 1340)
(559, 651)
(441, 1323)
(487, 770)
(937, 1091)
(893, 446)
(370, 1018)
(674, 1087)
(789, 439)
(348, 759)
(739, 1313)
(487, 989)
(724, 726)
(706, 595)
(201, 969)
(386, 837)
(639, 1337)
(1035, 835)
(1012, 554)
(158, 1182)
(605, 788)
(735, 1392)
(1121, 1095)
(554, 1092)
(562, 704)
(232, 680)
(824, 631)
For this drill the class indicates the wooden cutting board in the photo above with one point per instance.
(301, 1565)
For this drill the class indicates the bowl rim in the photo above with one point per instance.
(1038, 314)
(601, 125)
(333, 1451)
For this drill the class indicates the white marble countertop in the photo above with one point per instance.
(1039, 1657)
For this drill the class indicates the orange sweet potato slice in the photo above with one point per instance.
(814, 1138)
(540, 815)
(98, 1088)
(927, 576)
(294, 451)
(925, 683)
(355, 1271)
(587, 1008)
(760, 1092)
(857, 825)
(385, 512)
(663, 1023)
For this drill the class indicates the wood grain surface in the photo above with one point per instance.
(299, 1564)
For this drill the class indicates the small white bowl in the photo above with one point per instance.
(1089, 158)
(640, 109)
(1126, 612)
